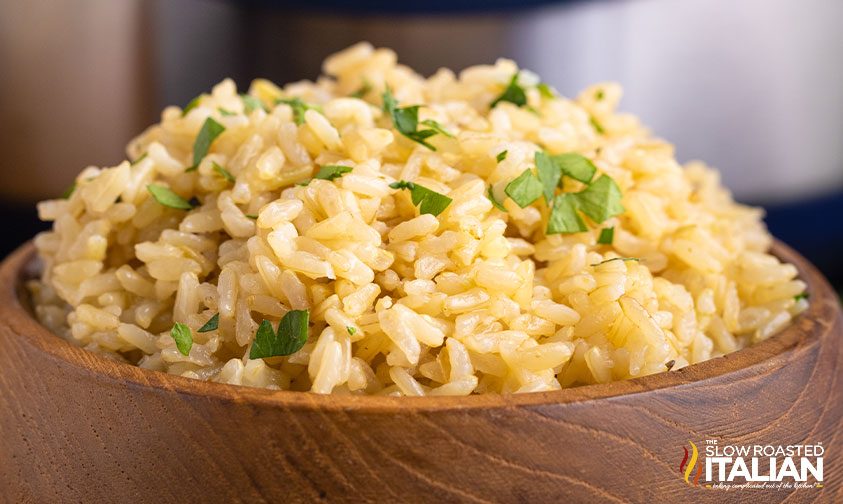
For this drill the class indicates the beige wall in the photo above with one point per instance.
(72, 89)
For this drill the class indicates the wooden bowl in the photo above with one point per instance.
(78, 427)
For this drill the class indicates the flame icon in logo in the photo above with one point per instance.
(689, 468)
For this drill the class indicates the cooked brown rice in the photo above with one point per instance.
(473, 300)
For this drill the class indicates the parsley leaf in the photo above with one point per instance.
(406, 121)
(252, 216)
(545, 90)
(211, 325)
(363, 90)
(524, 189)
(351, 330)
(550, 172)
(192, 104)
(800, 297)
(596, 125)
(209, 132)
(428, 201)
(513, 93)
(299, 108)
(69, 191)
(501, 156)
(601, 199)
(437, 127)
(332, 172)
(291, 336)
(599, 95)
(564, 217)
(251, 103)
(576, 166)
(223, 172)
(635, 259)
(168, 198)
(140, 158)
(497, 204)
(607, 236)
(182, 336)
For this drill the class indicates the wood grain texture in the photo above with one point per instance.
(76, 427)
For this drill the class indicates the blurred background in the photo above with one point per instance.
(753, 87)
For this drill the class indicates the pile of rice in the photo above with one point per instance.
(474, 300)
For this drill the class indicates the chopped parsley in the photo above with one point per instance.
(564, 217)
(599, 95)
(332, 172)
(524, 189)
(223, 172)
(290, 337)
(596, 125)
(497, 204)
(209, 132)
(250, 103)
(601, 199)
(576, 166)
(363, 90)
(800, 297)
(607, 236)
(168, 198)
(624, 259)
(252, 216)
(299, 108)
(351, 330)
(226, 113)
(501, 155)
(437, 127)
(513, 93)
(211, 325)
(192, 104)
(428, 201)
(406, 121)
(669, 364)
(69, 191)
(545, 90)
(550, 172)
(182, 336)
(139, 159)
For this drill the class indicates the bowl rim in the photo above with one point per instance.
(18, 267)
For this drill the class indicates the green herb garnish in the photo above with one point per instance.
(406, 120)
(618, 259)
(332, 172)
(601, 199)
(211, 325)
(192, 104)
(564, 217)
(428, 201)
(800, 297)
(291, 336)
(669, 364)
(545, 90)
(497, 204)
(299, 108)
(209, 132)
(251, 216)
(501, 156)
(524, 189)
(351, 330)
(599, 95)
(607, 236)
(140, 158)
(182, 336)
(437, 127)
(69, 191)
(363, 90)
(226, 113)
(168, 198)
(550, 172)
(251, 103)
(513, 93)
(596, 125)
(576, 166)
(222, 172)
